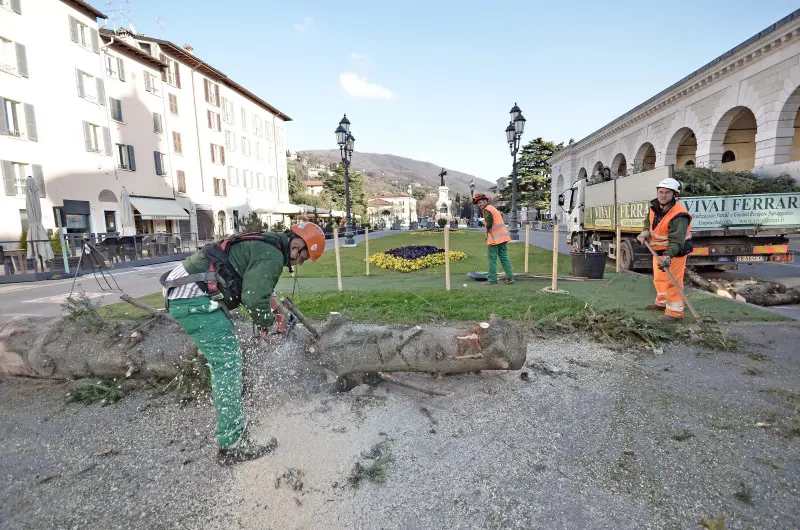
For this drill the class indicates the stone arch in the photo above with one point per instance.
(222, 228)
(681, 148)
(645, 158)
(598, 165)
(787, 139)
(107, 196)
(734, 137)
(582, 174)
(619, 166)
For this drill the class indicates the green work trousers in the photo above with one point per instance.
(499, 252)
(212, 332)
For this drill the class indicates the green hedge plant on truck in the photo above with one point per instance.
(727, 230)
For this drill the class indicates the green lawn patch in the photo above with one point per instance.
(420, 296)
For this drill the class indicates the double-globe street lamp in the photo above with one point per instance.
(513, 134)
(346, 143)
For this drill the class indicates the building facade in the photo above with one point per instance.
(87, 111)
(740, 111)
(388, 210)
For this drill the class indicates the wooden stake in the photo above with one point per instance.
(338, 261)
(366, 244)
(447, 257)
(527, 242)
(554, 286)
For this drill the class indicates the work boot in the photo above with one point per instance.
(655, 307)
(667, 318)
(244, 450)
(510, 280)
(490, 283)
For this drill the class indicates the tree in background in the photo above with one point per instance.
(297, 177)
(335, 185)
(533, 173)
(426, 207)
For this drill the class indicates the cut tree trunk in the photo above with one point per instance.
(347, 348)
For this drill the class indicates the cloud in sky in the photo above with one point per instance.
(304, 25)
(358, 87)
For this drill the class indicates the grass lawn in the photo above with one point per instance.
(388, 296)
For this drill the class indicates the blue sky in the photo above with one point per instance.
(434, 80)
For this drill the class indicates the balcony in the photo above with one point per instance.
(13, 134)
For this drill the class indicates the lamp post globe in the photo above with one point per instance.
(346, 142)
(513, 135)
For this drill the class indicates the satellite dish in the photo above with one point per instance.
(133, 29)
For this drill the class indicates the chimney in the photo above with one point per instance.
(188, 48)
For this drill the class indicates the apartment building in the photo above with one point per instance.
(236, 141)
(86, 111)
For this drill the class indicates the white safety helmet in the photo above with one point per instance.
(670, 184)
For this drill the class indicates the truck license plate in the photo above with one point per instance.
(750, 259)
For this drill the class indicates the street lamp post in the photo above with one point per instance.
(513, 135)
(346, 143)
(471, 204)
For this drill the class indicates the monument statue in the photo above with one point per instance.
(442, 173)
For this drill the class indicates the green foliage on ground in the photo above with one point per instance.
(104, 391)
(699, 181)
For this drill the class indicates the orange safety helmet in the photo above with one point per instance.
(313, 236)
(479, 196)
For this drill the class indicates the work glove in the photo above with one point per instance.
(644, 236)
(665, 262)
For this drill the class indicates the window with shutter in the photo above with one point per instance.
(206, 91)
(213, 154)
(176, 143)
(159, 161)
(16, 6)
(9, 181)
(79, 79)
(95, 41)
(121, 68)
(22, 60)
(73, 29)
(131, 158)
(107, 141)
(157, 125)
(216, 95)
(244, 119)
(30, 123)
(177, 73)
(173, 104)
(163, 71)
(181, 181)
(101, 92)
(38, 177)
(116, 109)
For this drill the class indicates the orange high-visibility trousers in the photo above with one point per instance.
(667, 295)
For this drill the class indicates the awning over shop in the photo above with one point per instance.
(155, 209)
(281, 208)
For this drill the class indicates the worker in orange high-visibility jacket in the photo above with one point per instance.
(497, 238)
(668, 227)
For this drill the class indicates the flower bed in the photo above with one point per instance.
(413, 258)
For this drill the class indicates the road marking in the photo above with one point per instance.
(85, 277)
(61, 298)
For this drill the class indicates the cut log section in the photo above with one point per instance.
(348, 348)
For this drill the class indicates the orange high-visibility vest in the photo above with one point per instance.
(499, 231)
(659, 234)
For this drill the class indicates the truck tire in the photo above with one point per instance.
(626, 255)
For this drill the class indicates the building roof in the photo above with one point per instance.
(204, 68)
(126, 48)
(310, 183)
(728, 54)
(86, 8)
(396, 196)
(379, 202)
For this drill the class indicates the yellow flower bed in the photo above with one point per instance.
(386, 261)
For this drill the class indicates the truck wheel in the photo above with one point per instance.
(626, 255)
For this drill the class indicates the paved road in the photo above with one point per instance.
(44, 298)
